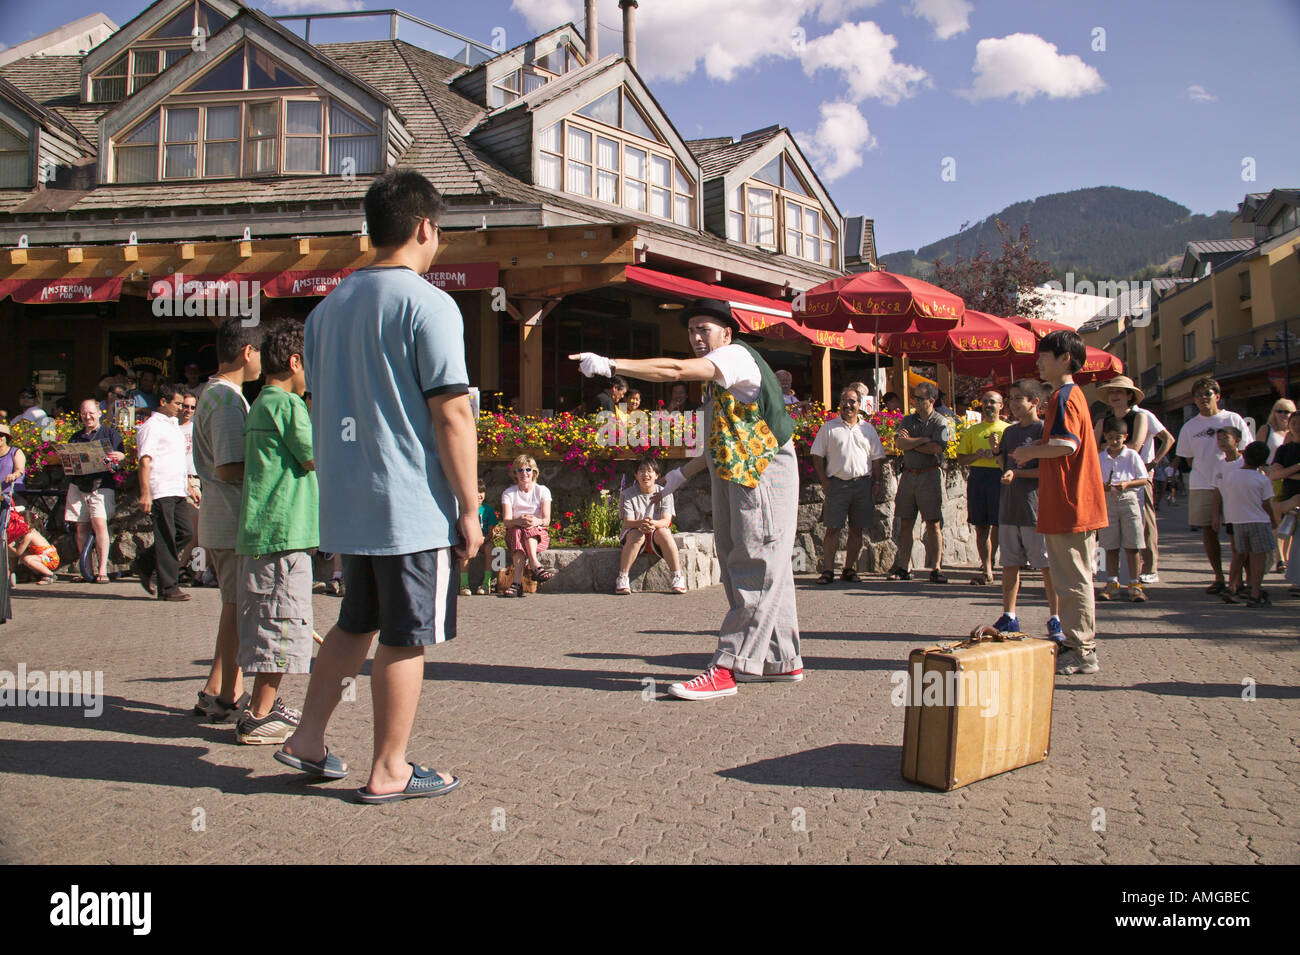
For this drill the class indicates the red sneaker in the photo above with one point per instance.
(714, 682)
(794, 676)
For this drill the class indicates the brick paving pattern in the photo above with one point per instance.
(552, 710)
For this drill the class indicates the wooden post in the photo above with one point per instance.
(821, 375)
(529, 313)
(899, 385)
(489, 344)
(945, 383)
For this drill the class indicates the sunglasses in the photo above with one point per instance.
(527, 470)
(189, 407)
(1205, 394)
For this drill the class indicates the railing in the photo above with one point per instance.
(1269, 346)
(419, 32)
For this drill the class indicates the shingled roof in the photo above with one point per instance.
(723, 158)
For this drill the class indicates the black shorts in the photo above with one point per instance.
(409, 598)
(983, 489)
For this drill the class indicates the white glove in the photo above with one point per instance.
(594, 366)
(673, 482)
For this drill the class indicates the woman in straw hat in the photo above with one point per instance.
(1144, 432)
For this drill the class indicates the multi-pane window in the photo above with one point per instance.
(151, 55)
(537, 74)
(260, 138)
(777, 203)
(136, 156)
(626, 165)
(15, 159)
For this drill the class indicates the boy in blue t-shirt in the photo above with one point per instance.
(478, 568)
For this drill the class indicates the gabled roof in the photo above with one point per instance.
(702, 146)
(575, 38)
(255, 26)
(729, 154)
(88, 25)
(42, 115)
(55, 82)
(147, 19)
(1276, 201)
(1216, 252)
(859, 239)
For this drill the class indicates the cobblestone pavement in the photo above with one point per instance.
(552, 711)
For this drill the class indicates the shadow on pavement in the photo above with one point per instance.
(528, 676)
(153, 764)
(840, 766)
(1223, 691)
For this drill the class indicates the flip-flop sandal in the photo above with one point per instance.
(424, 782)
(331, 767)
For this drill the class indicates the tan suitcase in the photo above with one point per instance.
(977, 708)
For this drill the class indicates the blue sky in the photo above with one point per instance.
(1025, 97)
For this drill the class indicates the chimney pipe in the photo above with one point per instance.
(629, 30)
(592, 44)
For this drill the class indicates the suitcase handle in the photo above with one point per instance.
(981, 634)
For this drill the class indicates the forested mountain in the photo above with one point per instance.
(1099, 233)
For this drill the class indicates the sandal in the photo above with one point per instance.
(937, 578)
(329, 766)
(101, 579)
(46, 581)
(826, 577)
(423, 782)
(849, 575)
(542, 575)
(897, 573)
(982, 579)
(1217, 587)
(515, 590)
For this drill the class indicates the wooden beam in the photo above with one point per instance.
(530, 356)
(821, 375)
(304, 246)
(17, 256)
(944, 377)
(130, 253)
(245, 249)
(74, 256)
(899, 385)
(187, 251)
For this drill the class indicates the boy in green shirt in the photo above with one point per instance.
(277, 533)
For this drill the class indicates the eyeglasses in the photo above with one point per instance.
(1205, 394)
(920, 397)
(527, 470)
(189, 407)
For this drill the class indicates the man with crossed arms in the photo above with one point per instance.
(847, 455)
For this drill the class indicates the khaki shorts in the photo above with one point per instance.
(921, 493)
(1201, 509)
(1125, 527)
(1020, 545)
(275, 618)
(82, 505)
(225, 564)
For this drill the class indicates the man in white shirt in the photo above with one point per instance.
(1198, 442)
(164, 488)
(847, 456)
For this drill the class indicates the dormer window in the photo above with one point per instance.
(609, 152)
(776, 202)
(559, 61)
(15, 159)
(291, 135)
(149, 56)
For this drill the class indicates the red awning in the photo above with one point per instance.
(757, 314)
(62, 291)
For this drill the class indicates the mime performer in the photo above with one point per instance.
(751, 461)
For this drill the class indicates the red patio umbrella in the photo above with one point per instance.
(1041, 327)
(879, 302)
(978, 335)
(1097, 367)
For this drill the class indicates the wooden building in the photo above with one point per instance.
(208, 143)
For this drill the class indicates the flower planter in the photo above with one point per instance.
(580, 570)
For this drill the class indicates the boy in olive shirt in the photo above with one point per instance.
(278, 531)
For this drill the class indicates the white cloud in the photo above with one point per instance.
(948, 17)
(1199, 94)
(864, 54)
(837, 145)
(1022, 65)
(837, 11)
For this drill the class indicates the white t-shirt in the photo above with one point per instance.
(848, 451)
(35, 414)
(530, 503)
(740, 374)
(1244, 492)
(1154, 428)
(160, 440)
(1125, 466)
(1198, 442)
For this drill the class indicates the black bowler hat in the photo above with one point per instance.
(716, 309)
